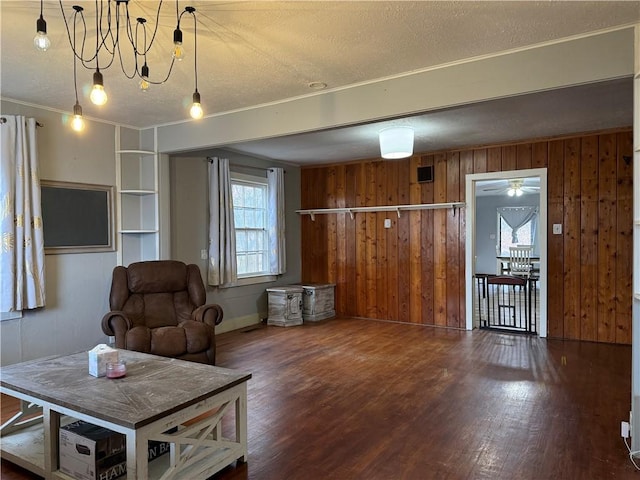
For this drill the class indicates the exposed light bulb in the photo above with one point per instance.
(511, 192)
(98, 96)
(77, 123)
(143, 84)
(144, 78)
(518, 192)
(178, 50)
(41, 41)
(196, 109)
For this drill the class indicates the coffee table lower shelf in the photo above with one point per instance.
(26, 449)
(187, 405)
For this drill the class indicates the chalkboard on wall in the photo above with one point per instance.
(77, 217)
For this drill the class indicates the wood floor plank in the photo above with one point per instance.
(363, 399)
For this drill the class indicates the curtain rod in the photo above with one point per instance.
(4, 120)
(264, 169)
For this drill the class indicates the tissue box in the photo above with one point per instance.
(99, 356)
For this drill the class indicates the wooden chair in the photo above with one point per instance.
(520, 260)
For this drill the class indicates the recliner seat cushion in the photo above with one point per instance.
(168, 341)
(198, 336)
(138, 339)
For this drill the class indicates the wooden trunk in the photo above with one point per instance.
(318, 302)
(285, 306)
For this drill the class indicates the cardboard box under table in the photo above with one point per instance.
(90, 452)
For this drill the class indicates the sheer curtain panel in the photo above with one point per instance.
(22, 253)
(222, 269)
(277, 252)
(516, 217)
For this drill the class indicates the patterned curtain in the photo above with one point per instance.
(22, 254)
(277, 252)
(223, 269)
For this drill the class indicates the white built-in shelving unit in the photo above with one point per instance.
(137, 205)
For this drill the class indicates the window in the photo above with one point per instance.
(250, 216)
(525, 235)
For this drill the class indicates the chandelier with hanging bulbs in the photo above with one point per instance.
(114, 27)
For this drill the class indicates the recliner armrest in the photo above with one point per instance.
(116, 323)
(210, 314)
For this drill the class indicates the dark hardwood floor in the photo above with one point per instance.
(363, 399)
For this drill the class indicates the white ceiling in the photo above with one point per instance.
(255, 53)
(488, 188)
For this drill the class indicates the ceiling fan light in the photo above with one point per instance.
(518, 192)
(396, 142)
(511, 192)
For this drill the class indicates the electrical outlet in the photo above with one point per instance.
(624, 429)
(204, 254)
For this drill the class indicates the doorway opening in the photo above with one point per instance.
(503, 210)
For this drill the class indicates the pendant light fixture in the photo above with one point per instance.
(144, 78)
(196, 108)
(178, 49)
(77, 123)
(119, 40)
(98, 95)
(396, 142)
(41, 42)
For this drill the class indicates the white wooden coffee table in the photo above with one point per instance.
(157, 395)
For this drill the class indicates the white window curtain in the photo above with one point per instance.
(516, 217)
(22, 252)
(223, 269)
(277, 252)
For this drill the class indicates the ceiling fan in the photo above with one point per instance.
(514, 188)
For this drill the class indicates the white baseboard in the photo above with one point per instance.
(229, 324)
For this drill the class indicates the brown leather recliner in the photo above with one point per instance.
(158, 307)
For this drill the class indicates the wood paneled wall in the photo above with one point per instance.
(414, 271)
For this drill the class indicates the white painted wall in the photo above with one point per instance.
(242, 305)
(77, 285)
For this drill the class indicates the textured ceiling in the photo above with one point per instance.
(253, 53)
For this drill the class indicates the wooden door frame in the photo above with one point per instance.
(470, 240)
